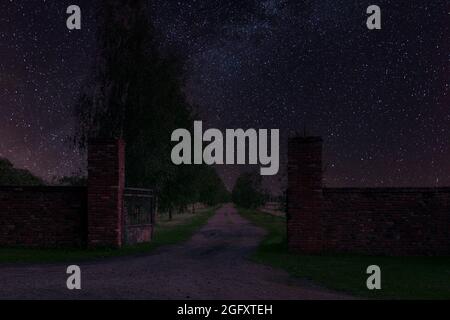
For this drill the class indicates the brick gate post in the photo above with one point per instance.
(305, 197)
(106, 183)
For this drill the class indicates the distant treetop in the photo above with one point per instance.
(10, 176)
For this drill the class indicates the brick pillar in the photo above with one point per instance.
(106, 183)
(304, 209)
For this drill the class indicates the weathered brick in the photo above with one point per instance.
(385, 221)
(69, 216)
(106, 183)
(43, 216)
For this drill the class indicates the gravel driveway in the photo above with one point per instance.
(213, 264)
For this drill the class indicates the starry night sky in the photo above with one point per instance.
(379, 98)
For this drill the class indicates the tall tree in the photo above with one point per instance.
(124, 39)
(137, 94)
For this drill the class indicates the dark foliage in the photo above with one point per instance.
(247, 192)
(136, 94)
(10, 176)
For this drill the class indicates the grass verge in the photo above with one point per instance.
(166, 233)
(401, 278)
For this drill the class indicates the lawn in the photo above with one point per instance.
(401, 277)
(167, 232)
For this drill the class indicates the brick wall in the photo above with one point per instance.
(66, 216)
(304, 194)
(393, 221)
(383, 221)
(43, 216)
(106, 184)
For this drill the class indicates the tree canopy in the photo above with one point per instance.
(10, 176)
(136, 93)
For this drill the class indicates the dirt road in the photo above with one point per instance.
(213, 264)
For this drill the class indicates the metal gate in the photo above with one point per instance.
(139, 215)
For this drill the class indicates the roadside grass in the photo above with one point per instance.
(180, 229)
(401, 277)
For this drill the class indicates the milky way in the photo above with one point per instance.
(379, 98)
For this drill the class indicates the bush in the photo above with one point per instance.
(10, 176)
